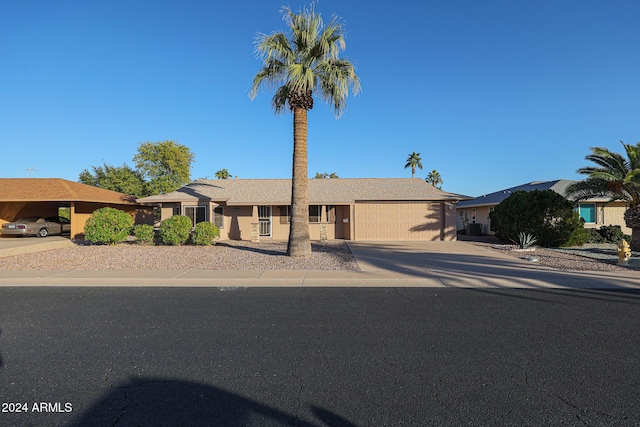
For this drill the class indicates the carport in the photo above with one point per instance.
(25, 197)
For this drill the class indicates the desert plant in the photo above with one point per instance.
(205, 233)
(108, 225)
(525, 240)
(144, 233)
(175, 230)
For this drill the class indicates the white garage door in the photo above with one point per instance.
(397, 221)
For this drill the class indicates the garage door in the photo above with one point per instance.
(397, 221)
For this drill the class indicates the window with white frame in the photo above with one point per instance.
(196, 213)
(218, 216)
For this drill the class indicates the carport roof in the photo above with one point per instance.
(321, 191)
(58, 190)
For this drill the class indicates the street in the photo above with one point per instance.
(100, 356)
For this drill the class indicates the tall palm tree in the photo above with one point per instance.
(304, 61)
(413, 161)
(617, 178)
(223, 174)
(434, 179)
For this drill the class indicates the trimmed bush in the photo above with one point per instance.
(175, 230)
(144, 233)
(205, 234)
(108, 225)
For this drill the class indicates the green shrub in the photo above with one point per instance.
(544, 214)
(594, 236)
(175, 230)
(108, 225)
(144, 233)
(611, 233)
(580, 236)
(205, 234)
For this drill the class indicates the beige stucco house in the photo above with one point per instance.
(27, 197)
(595, 212)
(340, 208)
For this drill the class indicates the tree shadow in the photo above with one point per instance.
(167, 402)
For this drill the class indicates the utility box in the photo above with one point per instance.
(474, 229)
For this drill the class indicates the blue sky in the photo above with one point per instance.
(492, 94)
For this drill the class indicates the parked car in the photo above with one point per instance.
(37, 226)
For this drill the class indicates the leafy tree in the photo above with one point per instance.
(546, 215)
(326, 175)
(223, 174)
(434, 179)
(116, 178)
(166, 165)
(617, 178)
(304, 61)
(413, 161)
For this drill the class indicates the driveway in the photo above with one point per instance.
(10, 245)
(462, 264)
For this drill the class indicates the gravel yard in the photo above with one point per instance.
(585, 258)
(230, 255)
(242, 255)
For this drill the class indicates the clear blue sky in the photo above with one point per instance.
(492, 94)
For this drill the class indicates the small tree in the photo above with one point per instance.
(546, 215)
(175, 230)
(167, 165)
(223, 174)
(108, 225)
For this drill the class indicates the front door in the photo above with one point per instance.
(264, 218)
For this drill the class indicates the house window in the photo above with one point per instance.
(314, 213)
(331, 213)
(196, 213)
(218, 216)
(588, 212)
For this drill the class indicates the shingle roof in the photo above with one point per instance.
(57, 189)
(558, 185)
(321, 191)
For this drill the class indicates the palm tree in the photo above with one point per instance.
(413, 161)
(617, 178)
(299, 63)
(223, 174)
(434, 179)
(326, 175)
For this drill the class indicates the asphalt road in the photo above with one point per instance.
(318, 357)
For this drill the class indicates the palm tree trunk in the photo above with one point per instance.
(299, 242)
(632, 220)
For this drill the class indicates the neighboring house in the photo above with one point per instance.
(27, 197)
(595, 212)
(343, 208)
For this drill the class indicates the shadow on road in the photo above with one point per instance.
(166, 402)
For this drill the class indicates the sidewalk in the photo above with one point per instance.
(382, 264)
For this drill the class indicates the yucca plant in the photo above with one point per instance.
(525, 240)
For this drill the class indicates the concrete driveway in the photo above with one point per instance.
(456, 263)
(10, 245)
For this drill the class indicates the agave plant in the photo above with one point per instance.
(525, 240)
